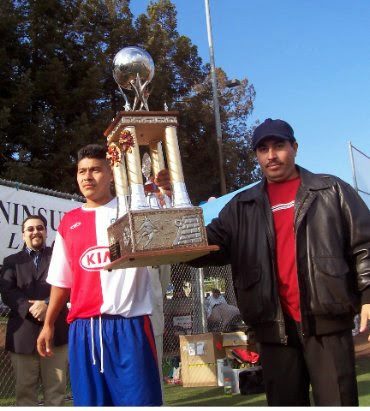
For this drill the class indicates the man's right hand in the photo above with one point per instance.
(38, 309)
(45, 342)
(163, 181)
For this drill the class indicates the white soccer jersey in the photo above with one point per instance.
(80, 253)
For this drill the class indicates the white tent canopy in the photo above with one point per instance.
(212, 208)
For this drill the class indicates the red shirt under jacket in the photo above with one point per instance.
(282, 198)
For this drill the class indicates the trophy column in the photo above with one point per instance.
(135, 178)
(156, 153)
(120, 180)
(180, 195)
(121, 186)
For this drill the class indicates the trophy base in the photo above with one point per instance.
(160, 257)
(157, 236)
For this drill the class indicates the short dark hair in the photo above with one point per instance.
(216, 291)
(92, 151)
(35, 217)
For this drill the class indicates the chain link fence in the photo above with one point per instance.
(7, 380)
(184, 313)
(185, 310)
(184, 303)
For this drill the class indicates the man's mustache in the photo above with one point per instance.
(274, 163)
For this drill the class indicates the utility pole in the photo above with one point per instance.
(216, 104)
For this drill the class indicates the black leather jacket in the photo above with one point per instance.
(332, 229)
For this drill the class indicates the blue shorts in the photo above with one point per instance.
(113, 361)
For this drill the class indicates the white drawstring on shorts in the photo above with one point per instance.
(92, 340)
(101, 346)
(100, 341)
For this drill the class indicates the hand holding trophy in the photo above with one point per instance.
(151, 228)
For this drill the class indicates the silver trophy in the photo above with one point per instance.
(150, 230)
(133, 69)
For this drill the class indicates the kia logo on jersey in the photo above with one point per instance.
(95, 258)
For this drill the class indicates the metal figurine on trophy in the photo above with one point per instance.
(151, 228)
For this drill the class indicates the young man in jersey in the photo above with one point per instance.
(299, 246)
(111, 345)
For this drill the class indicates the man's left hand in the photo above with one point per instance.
(365, 317)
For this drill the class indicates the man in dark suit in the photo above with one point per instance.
(24, 289)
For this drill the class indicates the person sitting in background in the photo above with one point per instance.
(216, 298)
(220, 314)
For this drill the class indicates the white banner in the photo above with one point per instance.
(16, 205)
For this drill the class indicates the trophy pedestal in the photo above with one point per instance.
(160, 257)
(156, 237)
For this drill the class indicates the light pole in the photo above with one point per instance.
(216, 104)
(233, 83)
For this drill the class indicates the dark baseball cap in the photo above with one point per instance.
(272, 128)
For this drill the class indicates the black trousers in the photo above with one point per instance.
(327, 363)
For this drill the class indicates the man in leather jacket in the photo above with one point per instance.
(299, 247)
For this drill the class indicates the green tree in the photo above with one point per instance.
(199, 137)
(58, 92)
(14, 93)
(66, 88)
(236, 106)
(37, 128)
(177, 64)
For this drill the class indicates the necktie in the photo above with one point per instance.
(36, 256)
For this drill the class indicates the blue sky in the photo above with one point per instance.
(308, 60)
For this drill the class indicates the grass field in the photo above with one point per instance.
(177, 396)
(363, 380)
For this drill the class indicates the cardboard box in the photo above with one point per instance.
(234, 339)
(199, 355)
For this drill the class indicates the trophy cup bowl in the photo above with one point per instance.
(131, 62)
